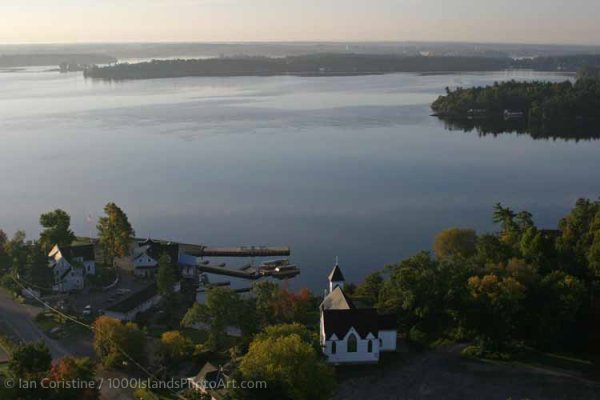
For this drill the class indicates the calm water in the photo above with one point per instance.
(351, 167)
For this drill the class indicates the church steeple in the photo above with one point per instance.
(336, 278)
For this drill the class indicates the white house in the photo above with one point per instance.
(147, 254)
(349, 334)
(70, 265)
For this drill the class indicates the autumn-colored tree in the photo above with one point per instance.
(81, 370)
(174, 347)
(116, 343)
(115, 233)
(455, 242)
(292, 307)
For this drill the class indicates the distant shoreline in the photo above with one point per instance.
(332, 64)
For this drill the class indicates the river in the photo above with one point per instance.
(353, 167)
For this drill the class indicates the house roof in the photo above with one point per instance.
(336, 274)
(337, 300)
(86, 252)
(339, 322)
(157, 249)
(134, 300)
(210, 375)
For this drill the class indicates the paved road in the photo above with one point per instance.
(19, 319)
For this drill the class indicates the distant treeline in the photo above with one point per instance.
(306, 65)
(557, 63)
(39, 60)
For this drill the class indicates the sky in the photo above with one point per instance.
(514, 21)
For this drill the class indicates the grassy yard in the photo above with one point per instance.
(56, 327)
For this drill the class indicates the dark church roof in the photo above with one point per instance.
(387, 322)
(336, 274)
(339, 322)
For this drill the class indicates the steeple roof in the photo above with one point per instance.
(336, 274)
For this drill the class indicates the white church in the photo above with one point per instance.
(350, 334)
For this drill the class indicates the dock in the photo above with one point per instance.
(241, 251)
(228, 272)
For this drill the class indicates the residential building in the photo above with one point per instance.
(70, 265)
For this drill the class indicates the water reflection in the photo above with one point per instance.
(555, 130)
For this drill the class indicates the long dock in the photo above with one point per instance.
(242, 251)
(228, 272)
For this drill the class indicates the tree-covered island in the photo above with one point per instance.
(538, 100)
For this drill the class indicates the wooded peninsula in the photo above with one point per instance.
(330, 64)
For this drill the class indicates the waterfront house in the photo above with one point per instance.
(349, 334)
(70, 265)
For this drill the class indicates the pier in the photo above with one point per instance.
(241, 251)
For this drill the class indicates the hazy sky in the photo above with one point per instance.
(547, 21)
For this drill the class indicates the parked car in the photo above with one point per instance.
(87, 311)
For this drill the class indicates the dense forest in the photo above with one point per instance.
(523, 286)
(313, 64)
(536, 102)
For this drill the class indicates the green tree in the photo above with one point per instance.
(490, 249)
(455, 242)
(265, 293)
(221, 310)
(56, 230)
(115, 233)
(289, 365)
(37, 269)
(370, 287)
(3, 241)
(16, 250)
(30, 361)
(496, 302)
(166, 278)
(578, 232)
(420, 292)
(561, 298)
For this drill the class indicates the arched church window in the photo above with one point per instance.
(352, 343)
